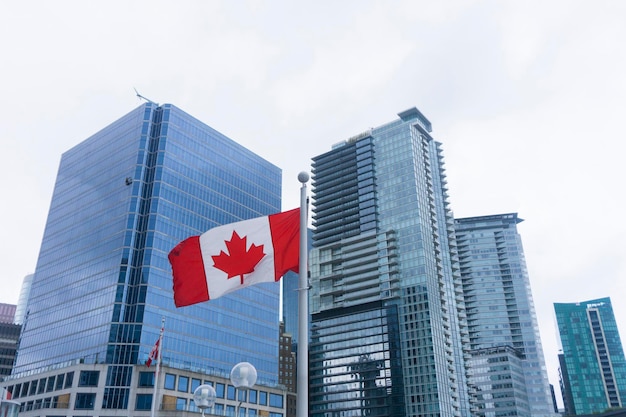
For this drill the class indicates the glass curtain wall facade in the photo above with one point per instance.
(566, 390)
(593, 357)
(498, 383)
(22, 301)
(384, 232)
(501, 314)
(356, 380)
(123, 199)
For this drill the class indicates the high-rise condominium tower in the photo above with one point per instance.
(388, 321)
(593, 357)
(508, 366)
(123, 199)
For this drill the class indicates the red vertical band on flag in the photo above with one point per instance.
(190, 286)
(285, 230)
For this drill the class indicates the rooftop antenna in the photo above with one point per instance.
(145, 98)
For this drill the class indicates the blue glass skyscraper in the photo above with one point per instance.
(123, 199)
(594, 367)
(388, 321)
(508, 367)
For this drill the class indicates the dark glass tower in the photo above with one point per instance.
(388, 321)
(593, 357)
(122, 200)
(508, 366)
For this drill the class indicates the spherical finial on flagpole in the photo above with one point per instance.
(303, 177)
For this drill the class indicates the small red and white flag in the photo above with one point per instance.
(154, 353)
(227, 258)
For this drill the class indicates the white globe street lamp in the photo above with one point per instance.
(242, 376)
(204, 397)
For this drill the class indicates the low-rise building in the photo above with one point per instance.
(81, 389)
(9, 338)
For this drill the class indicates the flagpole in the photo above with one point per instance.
(302, 365)
(158, 369)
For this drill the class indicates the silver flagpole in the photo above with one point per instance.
(158, 370)
(302, 365)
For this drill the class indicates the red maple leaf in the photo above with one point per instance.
(239, 260)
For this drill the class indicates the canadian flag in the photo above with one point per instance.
(154, 353)
(227, 258)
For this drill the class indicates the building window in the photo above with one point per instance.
(230, 395)
(143, 402)
(262, 397)
(195, 383)
(69, 379)
(219, 390)
(61, 401)
(146, 379)
(88, 378)
(59, 384)
(50, 384)
(170, 381)
(193, 407)
(42, 386)
(183, 383)
(230, 411)
(218, 409)
(252, 396)
(85, 401)
(25, 386)
(115, 398)
(241, 395)
(181, 403)
(276, 400)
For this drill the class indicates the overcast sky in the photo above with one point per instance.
(527, 97)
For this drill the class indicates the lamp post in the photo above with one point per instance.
(243, 376)
(204, 397)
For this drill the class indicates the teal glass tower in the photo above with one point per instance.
(593, 357)
(123, 199)
(508, 366)
(388, 320)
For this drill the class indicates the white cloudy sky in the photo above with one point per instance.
(527, 97)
